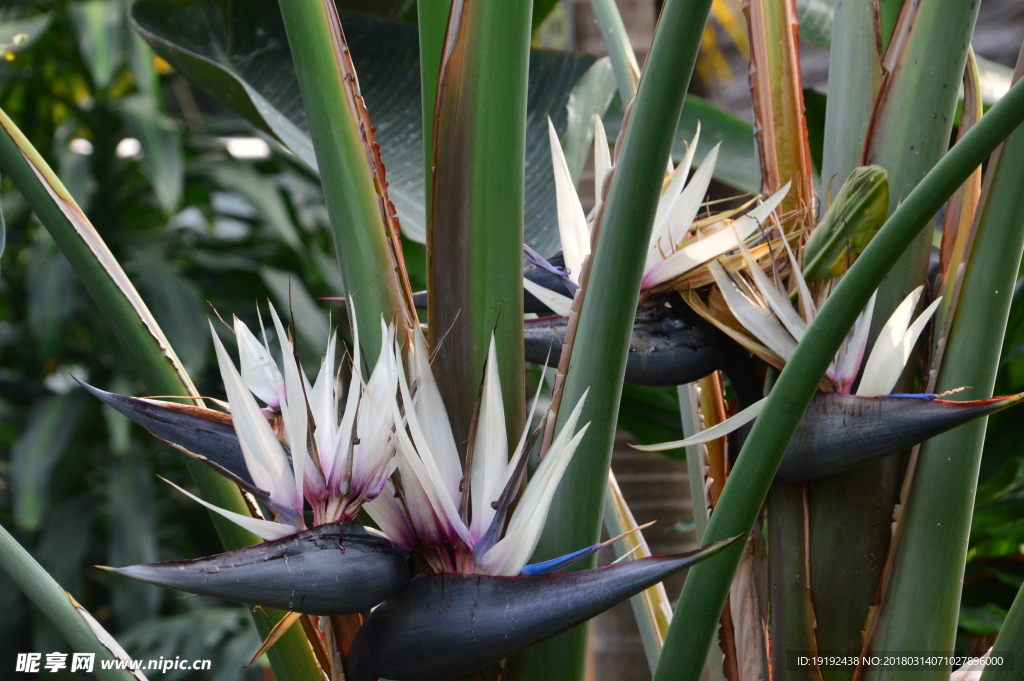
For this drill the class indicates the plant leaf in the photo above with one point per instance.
(246, 64)
(51, 426)
(590, 96)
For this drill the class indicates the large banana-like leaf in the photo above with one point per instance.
(246, 64)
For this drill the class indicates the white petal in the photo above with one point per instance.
(559, 304)
(760, 322)
(423, 466)
(294, 411)
(914, 332)
(417, 460)
(258, 369)
(678, 181)
(375, 419)
(572, 223)
(806, 299)
(337, 474)
(323, 403)
(512, 552)
(710, 247)
(389, 514)
(682, 213)
(602, 158)
(490, 449)
(264, 529)
(264, 456)
(521, 447)
(433, 421)
(777, 300)
(713, 433)
(886, 361)
(848, 359)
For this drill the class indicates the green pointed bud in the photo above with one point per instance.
(853, 219)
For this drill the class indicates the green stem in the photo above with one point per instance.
(353, 203)
(928, 567)
(1010, 640)
(908, 134)
(855, 68)
(476, 236)
(606, 321)
(433, 21)
(707, 584)
(792, 616)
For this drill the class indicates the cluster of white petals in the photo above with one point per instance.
(387, 446)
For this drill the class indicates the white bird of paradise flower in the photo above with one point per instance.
(389, 450)
(759, 304)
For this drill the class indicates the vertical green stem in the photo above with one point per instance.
(476, 236)
(433, 21)
(792, 616)
(1010, 640)
(855, 73)
(606, 322)
(913, 120)
(929, 563)
(56, 605)
(348, 178)
(908, 133)
(707, 585)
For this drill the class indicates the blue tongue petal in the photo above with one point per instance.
(548, 567)
(556, 564)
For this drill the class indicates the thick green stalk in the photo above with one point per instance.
(606, 322)
(698, 493)
(908, 133)
(778, 98)
(707, 585)
(913, 119)
(433, 20)
(349, 181)
(923, 598)
(1010, 639)
(792, 615)
(142, 341)
(476, 238)
(58, 607)
(855, 73)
